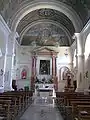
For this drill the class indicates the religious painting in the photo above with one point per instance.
(44, 68)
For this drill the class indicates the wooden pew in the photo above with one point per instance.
(13, 107)
(83, 112)
(73, 99)
(19, 101)
(5, 109)
(84, 117)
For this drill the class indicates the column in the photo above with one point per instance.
(55, 81)
(9, 62)
(53, 65)
(80, 62)
(33, 65)
(2, 60)
(33, 71)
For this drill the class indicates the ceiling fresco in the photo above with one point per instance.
(47, 14)
(9, 7)
(45, 34)
(55, 36)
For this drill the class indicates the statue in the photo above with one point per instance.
(24, 74)
(68, 81)
(43, 80)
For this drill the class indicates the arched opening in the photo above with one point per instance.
(59, 6)
(87, 60)
(87, 47)
(62, 74)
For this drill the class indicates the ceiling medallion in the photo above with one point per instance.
(46, 12)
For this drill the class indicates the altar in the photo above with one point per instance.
(45, 86)
(45, 90)
(44, 70)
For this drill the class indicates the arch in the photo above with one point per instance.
(61, 71)
(59, 6)
(87, 53)
(85, 31)
(87, 60)
(87, 47)
(45, 21)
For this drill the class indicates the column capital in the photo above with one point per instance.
(9, 55)
(54, 55)
(34, 56)
(81, 55)
(13, 35)
(77, 36)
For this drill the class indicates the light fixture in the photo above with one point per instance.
(66, 53)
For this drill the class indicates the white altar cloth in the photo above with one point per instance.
(45, 86)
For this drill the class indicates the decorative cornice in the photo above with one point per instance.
(48, 51)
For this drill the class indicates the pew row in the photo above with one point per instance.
(14, 103)
(69, 103)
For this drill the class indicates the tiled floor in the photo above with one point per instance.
(43, 108)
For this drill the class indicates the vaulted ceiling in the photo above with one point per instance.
(45, 27)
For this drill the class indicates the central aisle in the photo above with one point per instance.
(43, 108)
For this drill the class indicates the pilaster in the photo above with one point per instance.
(33, 76)
(54, 72)
(9, 57)
(80, 58)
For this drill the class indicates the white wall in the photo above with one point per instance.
(3, 48)
(24, 58)
(6, 46)
(62, 60)
(87, 61)
(4, 32)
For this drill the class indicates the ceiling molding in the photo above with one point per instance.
(59, 6)
(57, 16)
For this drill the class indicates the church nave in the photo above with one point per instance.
(43, 108)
